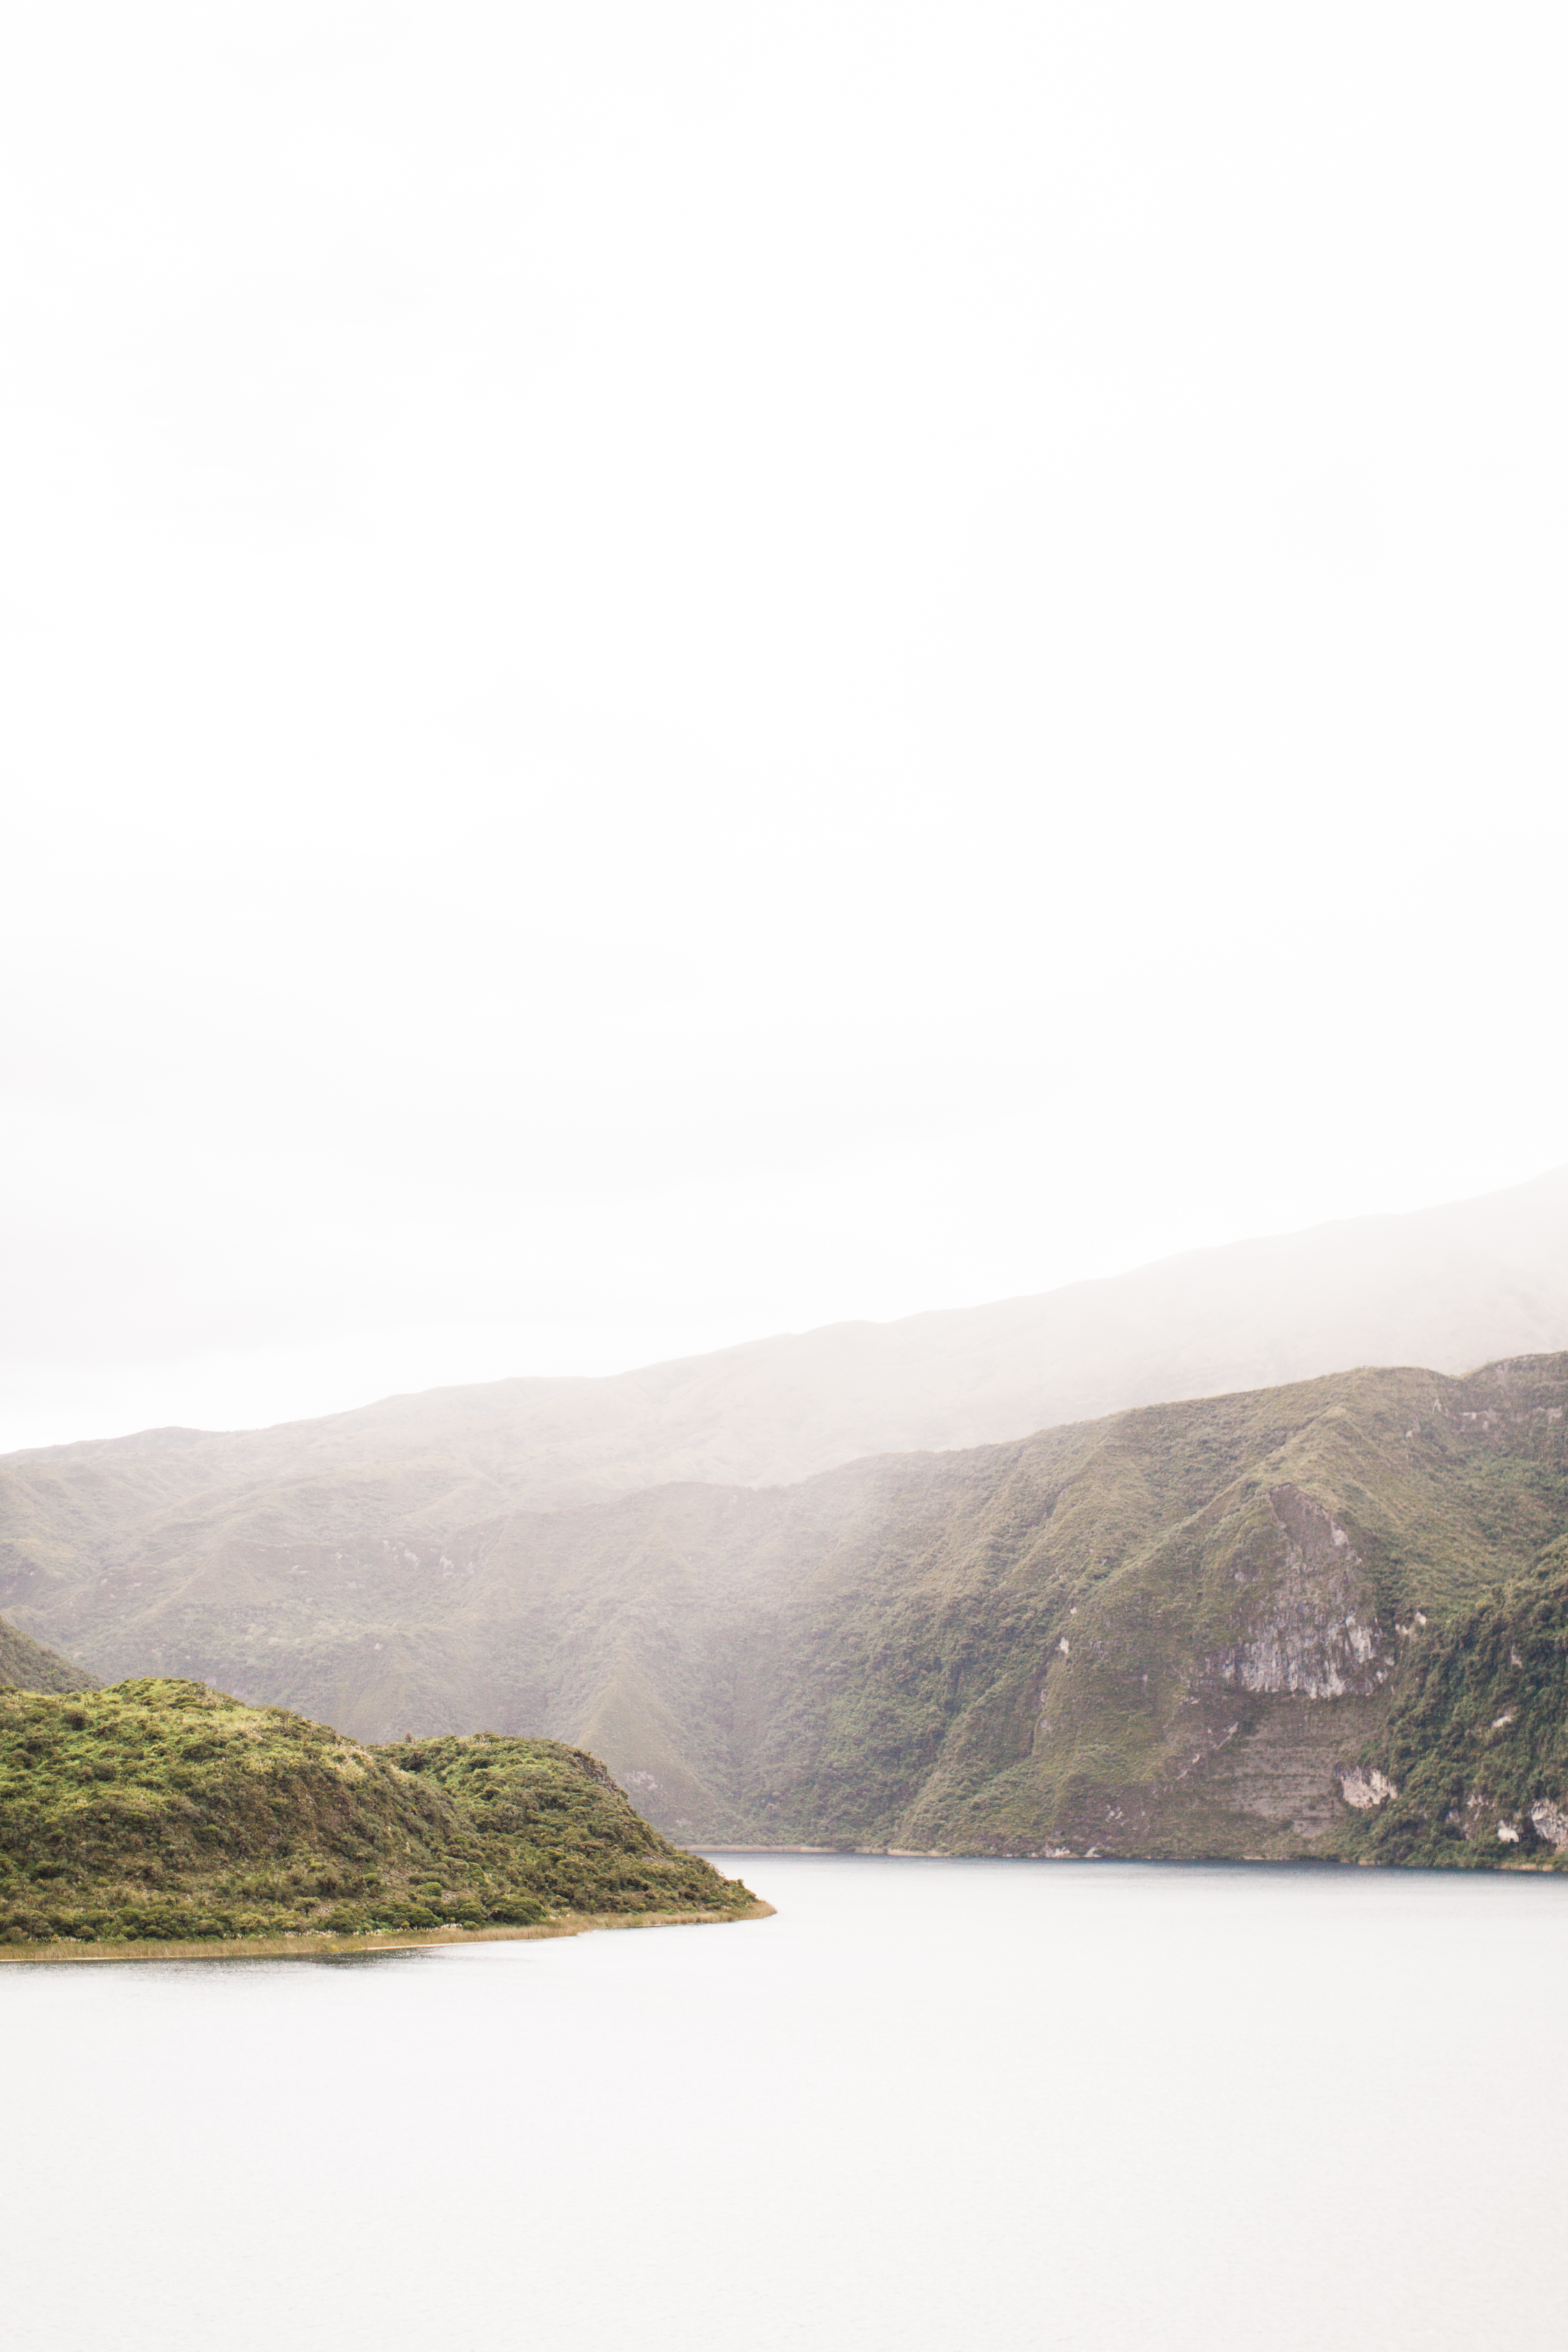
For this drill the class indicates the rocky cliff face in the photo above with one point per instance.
(1216, 1692)
(1470, 1765)
(1313, 1628)
(1179, 1631)
(1280, 1663)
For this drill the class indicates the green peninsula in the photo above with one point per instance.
(165, 1812)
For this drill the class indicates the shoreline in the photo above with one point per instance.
(306, 1944)
(1505, 1866)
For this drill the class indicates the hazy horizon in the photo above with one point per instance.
(322, 1372)
(676, 676)
(857, 711)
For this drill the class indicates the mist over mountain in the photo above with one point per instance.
(813, 1588)
(1448, 1287)
(1179, 1630)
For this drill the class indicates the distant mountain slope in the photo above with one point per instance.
(26, 1664)
(1446, 1287)
(1164, 1631)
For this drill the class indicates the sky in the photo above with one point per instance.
(674, 671)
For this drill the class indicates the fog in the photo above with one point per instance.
(680, 672)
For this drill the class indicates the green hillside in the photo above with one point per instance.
(1164, 1633)
(165, 1811)
(1471, 1768)
(26, 1664)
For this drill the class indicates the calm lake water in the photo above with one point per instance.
(952, 2104)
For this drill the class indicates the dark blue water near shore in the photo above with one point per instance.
(930, 2104)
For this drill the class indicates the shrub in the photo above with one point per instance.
(518, 1911)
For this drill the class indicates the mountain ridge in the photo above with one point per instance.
(1449, 1287)
(1162, 1632)
(622, 1563)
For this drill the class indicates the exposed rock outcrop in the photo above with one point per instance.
(1549, 1822)
(1315, 1632)
(1363, 1788)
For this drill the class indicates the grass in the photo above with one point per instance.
(26, 1664)
(164, 1813)
(305, 1944)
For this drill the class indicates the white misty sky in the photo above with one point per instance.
(680, 671)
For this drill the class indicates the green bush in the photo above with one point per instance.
(519, 1911)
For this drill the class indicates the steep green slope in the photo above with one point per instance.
(1156, 1633)
(1471, 1768)
(26, 1664)
(1161, 1632)
(163, 1810)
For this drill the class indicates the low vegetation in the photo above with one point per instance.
(1476, 1748)
(26, 1664)
(165, 1811)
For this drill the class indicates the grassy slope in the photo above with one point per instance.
(26, 1664)
(162, 1809)
(873, 1656)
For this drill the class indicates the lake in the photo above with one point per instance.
(931, 2103)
